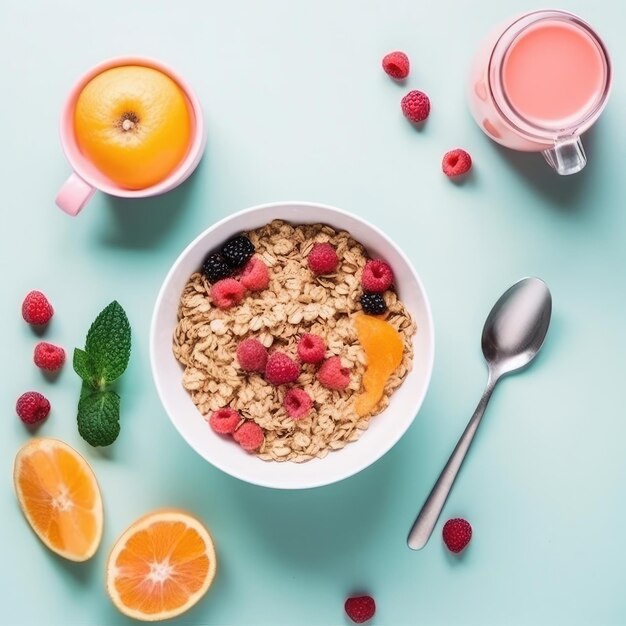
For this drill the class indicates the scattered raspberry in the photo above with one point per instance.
(333, 375)
(49, 357)
(456, 162)
(360, 608)
(32, 407)
(36, 309)
(311, 348)
(297, 403)
(323, 259)
(396, 64)
(456, 533)
(416, 106)
(224, 421)
(255, 275)
(373, 303)
(252, 355)
(227, 292)
(281, 369)
(377, 276)
(249, 436)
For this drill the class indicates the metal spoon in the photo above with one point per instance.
(512, 336)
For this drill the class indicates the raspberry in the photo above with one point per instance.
(373, 303)
(377, 276)
(252, 355)
(456, 162)
(311, 348)
(227, 292)
(396, 64)
(456, 533)
(333, 375)
(360, 608)
(297, 403)
(237, 251)
(281, 369)
(323, 259)
(36, 309)
(49, 357)
(224, 421)
(249, 436)
(416, 106)
(32, 407)
(255, 275)
(215, 267)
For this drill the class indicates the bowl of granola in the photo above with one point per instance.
(292, 344)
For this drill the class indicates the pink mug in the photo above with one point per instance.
(538, 82)
(86, 179)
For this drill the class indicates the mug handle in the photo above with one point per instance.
(567, 156)
(74, 195)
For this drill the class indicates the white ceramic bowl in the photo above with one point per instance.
(384, 430)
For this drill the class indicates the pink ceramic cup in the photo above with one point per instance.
(86, 179)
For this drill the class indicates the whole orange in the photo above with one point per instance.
(133, 124)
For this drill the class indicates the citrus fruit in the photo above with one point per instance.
(161, 566)
(133, 124)
(60, 497)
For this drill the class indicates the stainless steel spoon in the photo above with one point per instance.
(512, 336)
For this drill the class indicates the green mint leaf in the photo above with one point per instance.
(83, 366)
(98, 417)
(108, 345)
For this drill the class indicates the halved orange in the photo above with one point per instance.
(60, 497)
(161, 566)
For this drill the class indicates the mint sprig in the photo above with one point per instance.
(101, 363)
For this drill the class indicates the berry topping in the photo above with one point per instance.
(36, 309)
(215, 267)
(237, 251)
(255, 275)
(224, 421)
(311, 348)
(297, 403)
(32, 407)
(416, 106)
(252, 355)
(396, 64)
(249, 436)
(377, 276)
(456, 533)
(360, 608)
(48, 356)
(227, 293)
(456, 162)
(281, 369)
(373, 303)
(323, 259)
(333, 375)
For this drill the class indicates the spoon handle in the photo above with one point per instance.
(431, 510)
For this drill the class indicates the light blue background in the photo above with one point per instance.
(298, 108)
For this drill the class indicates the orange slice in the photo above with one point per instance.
(60, 497)
(383, 348)
(161, 566)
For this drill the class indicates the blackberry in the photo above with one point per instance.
(215, 267)
(373, 303)
(237, 251)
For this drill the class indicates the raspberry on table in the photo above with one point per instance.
(227, 293)
(333, 375)
(36, 309)
(252, 355)
(297, 403)
(237, 251)
(32, 407)
(416, 106)
(396, 64)
(215, 267)
(360, 608)
(311, 348)
(373, 303)
(456, 533)
(323, 259)
(281, 369)
(255, 275)
(48, 356)
(377, 276)
(249, 436)
(456, 162)
(224, 421)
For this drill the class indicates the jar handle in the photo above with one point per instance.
(567, 156)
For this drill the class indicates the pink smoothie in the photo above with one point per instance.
(553, 74)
